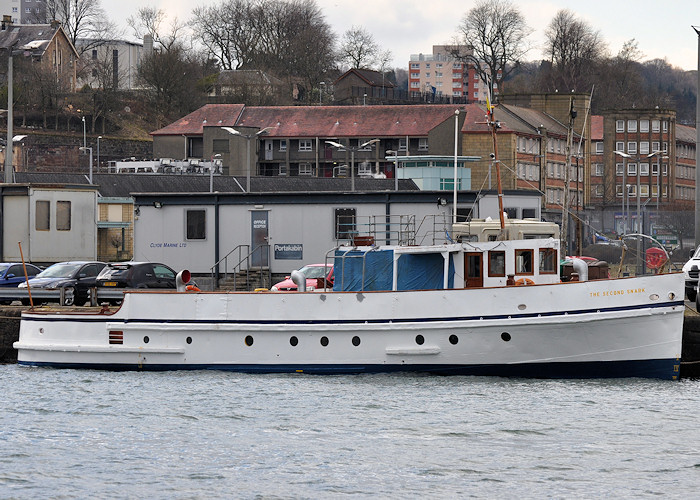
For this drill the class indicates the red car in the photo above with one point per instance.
(314, 278)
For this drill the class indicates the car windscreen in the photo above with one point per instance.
(60, 271)
(312, 272)
(3, 267)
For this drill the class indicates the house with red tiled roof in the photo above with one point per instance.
(303, 140)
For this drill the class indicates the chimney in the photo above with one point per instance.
(6, 22)
(147, 44)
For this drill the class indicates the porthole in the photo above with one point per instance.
(454, 339)
(324, 341)
(249, 340)
(188, 340)
(293, 341)
(356, 341)
(146, 340)
(505, 336)
(420, 339)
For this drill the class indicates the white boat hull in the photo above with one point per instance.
(604, 328)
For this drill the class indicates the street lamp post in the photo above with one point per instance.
(248, 137)
(84, 134)
(98, 152)
(352, 156)
(320, 92)
(88, 149)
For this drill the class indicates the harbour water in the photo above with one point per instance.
(92, 434)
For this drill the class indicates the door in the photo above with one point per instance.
(259, 239)
(268, 150)
(474, 269)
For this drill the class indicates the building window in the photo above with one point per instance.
(423, 144)
(42, 217)
(599, 147)
(620, 146)
(599, 169)
(655, 169)
(643, 169)
(94, 54)
(619, 125)
(631, 169)
(497, 263)
(306, 169)
(655, 125)
(447, 184)
(282, 169)
(344, 223)
(631, 125)
(655, 146)
(632, 148)
(644, 191)
(619, 168)
(196, 224)
(402, 145)
(548, 260)
(644, 125)
(305, 145)
(664, 126)
(598, 190)
(63, 215)
(644, 148)
(524, 261)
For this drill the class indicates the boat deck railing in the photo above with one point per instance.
(400, 230)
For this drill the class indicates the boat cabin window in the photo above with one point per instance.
(548, 260)
(524, 261)
(497, 263)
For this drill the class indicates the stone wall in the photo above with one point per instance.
(46, 152)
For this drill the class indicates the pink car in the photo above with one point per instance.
(314, 278)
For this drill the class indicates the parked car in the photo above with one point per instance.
(78, 276)
(137, 275)
(314, 278)
(691, 270)
(12, 274)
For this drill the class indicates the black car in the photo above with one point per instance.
(78, 276)
(136, 275)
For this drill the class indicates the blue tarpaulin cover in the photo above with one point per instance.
(415, 271)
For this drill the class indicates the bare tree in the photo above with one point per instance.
(84, 19)
(154, 22)
(574, 48)
(495, 34)
(358, 48)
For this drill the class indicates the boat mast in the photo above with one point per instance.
(494, 125)
(567, 170)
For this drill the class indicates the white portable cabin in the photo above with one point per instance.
(515, 229)
(52, 222)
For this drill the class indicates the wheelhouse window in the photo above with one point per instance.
(497, 263)
(196, 224)
(524, 261)
(548, 260)
(42, 216)
(344, 223)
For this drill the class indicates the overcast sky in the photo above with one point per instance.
(405, 27)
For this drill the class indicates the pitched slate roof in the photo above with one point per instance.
(221, 115)
(685, 133)
(372, 78)
(122, 185)
(32, 39)
(513, 119)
